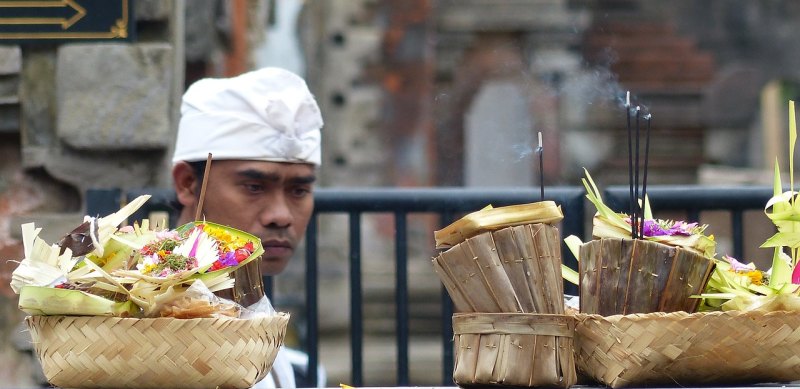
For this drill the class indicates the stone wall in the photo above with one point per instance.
(75, 116)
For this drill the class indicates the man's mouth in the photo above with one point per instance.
(277, 248)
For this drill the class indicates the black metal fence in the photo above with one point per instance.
(448, 204)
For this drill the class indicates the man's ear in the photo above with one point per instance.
(186, 184)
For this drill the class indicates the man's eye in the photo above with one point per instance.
(254, 188)
(300, 192)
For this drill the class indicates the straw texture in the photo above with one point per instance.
(624, 276)
(684, 349)
(527, 350)
(113, 352)
(515, 269)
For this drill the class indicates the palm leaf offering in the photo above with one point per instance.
(493, 219)
(639, 264)
(738, 286)
(132, 271)
(609, 224)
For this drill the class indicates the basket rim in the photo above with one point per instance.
(276, 315)
(679, 315)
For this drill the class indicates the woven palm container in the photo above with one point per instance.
(113, 352)
(681, 349)
(625, 276)
(511, 270)
(506, 349)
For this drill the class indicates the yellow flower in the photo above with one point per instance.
(226, 241)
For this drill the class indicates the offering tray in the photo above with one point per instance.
(682, 349)
(114, 352)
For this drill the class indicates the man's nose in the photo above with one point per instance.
(276, 212)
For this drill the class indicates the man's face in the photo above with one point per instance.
(271, 200)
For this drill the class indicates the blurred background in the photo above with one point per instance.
(414, 93)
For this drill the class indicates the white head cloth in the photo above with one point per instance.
(266, 115)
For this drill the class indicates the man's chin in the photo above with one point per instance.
(271, 266)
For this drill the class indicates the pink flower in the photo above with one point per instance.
(682, 228)
(738, 266)
(651, 228)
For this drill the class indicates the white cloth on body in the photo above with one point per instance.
(281, 375)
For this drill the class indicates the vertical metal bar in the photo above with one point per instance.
(693, 215)
(571, 225)
(401, 295)
(356, 310)
(101, 202)
(447, 339)
(269, 287)
(312, 339)
(447, 327)
(737, 223)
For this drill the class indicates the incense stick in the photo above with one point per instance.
(637, 205)
(630, 164)
(540, 151)
(647, 117)
(203, 189)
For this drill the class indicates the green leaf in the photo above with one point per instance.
(40, 300)
(787, 239)
(570, 275)
(258, 249)
(574, 245)
(777, 186)
(607, 214)
(781, 273)
(792, 141)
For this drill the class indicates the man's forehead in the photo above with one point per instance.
(267, 169)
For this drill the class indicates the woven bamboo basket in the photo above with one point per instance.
(685, 349)
(624, 276)
(524, 350)
(113, 352)
(514, 269)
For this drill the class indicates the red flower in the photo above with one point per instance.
(216, 266)
(241, 255)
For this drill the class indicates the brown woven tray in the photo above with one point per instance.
(689, 349)
(523, 350)
(113, 352)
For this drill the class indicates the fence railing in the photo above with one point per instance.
(448, 204)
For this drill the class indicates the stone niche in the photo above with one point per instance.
(524, 48)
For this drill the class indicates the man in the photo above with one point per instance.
(263, 131)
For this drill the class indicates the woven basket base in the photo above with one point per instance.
(513, 350)
(112, 352)
(689, 349)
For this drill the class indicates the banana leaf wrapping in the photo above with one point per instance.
(491, 219)
(515, 269)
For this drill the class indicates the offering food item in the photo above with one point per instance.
(503, 259)
(502, 265)
(659, 271)
(99, 269)
(492, 219)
